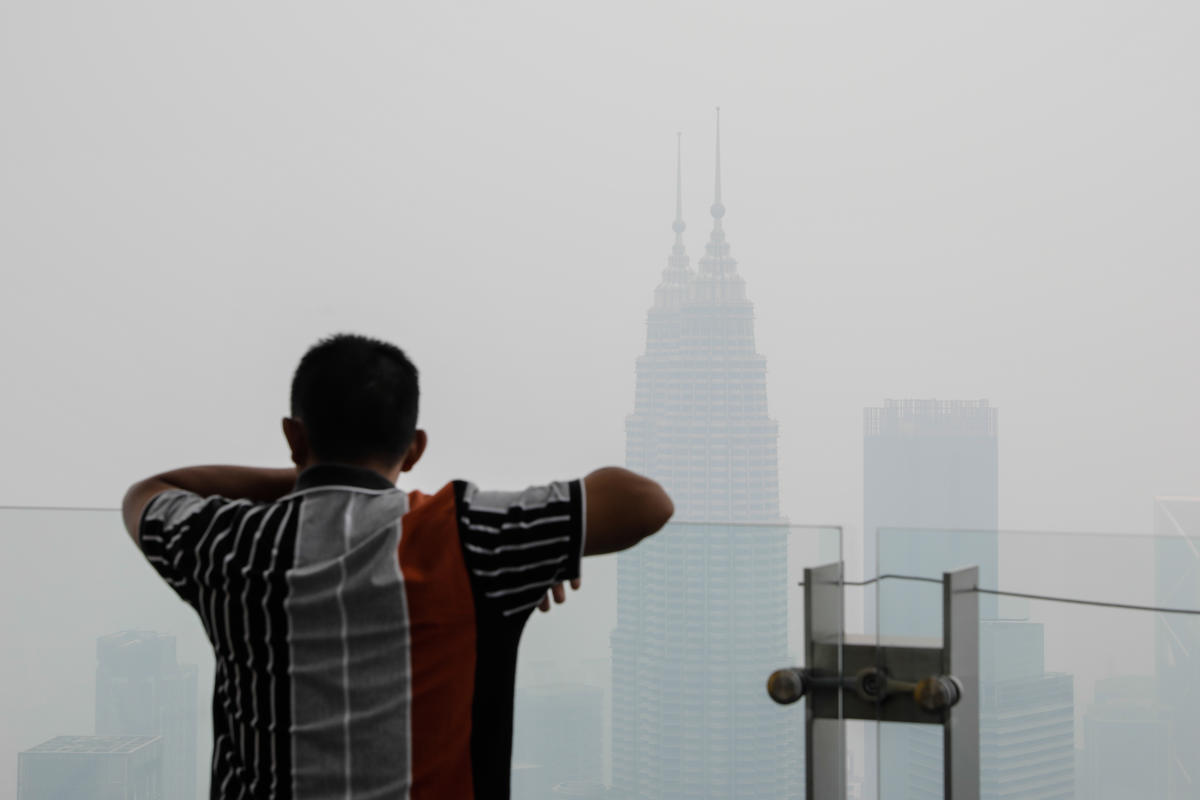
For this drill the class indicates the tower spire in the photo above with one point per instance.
(679, 226)
(718, 210)
(671, 291)
(717, 257)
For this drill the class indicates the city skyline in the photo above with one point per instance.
(675, 292)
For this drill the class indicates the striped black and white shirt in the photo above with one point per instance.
(365, 639)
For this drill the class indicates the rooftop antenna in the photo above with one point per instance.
(718, 209)
(679, 225)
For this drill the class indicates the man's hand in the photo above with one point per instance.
(560, 594)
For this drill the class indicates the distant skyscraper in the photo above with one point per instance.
(1026, 717)
(92, 768)
(932, 467)
(1177, 636)
(928, 465)
(142, 690)
(559, 734)
(702, 611)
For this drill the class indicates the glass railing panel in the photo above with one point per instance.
(651, 679)
(1092, 698)
(687, 626)
(96, 644)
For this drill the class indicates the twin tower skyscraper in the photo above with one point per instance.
(700, 423)
(702, 608)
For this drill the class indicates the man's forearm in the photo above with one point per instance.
(250, 483)
(236, 483)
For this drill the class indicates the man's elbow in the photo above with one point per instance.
(136, 498)
(131, 508)
(657, 508)
(624, 508)
(664, 509)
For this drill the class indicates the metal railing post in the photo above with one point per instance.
(923, 681)
(960, 658)
(824, 731)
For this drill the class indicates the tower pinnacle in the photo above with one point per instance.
(678, 267)
(718, 209)
(679, 226)
(716, 259)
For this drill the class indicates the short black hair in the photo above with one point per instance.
(357, 398)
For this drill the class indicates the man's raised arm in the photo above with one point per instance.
(622, 509)
(251, 483)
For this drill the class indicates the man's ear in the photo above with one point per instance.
(297, 439)
(415, 450)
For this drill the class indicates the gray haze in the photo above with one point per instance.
(928, 200)
(944, 200)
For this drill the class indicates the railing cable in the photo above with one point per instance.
(1028, 596)
(1079, 602)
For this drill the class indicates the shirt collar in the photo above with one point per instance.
(341, 475)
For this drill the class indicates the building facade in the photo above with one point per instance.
(1026, 727)
(931, 467)
(92, 768)
(702, 608)
(1127, 742)
(1026, 716)
(141, 689)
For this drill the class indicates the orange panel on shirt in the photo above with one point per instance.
(441, 615)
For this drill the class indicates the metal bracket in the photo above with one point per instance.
(925, 681)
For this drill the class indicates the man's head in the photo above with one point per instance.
(354, 401)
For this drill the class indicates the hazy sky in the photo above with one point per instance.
(934, 199)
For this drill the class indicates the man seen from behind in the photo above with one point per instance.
(366, 637)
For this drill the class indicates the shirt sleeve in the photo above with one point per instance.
(517, 545)
(174, 526)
